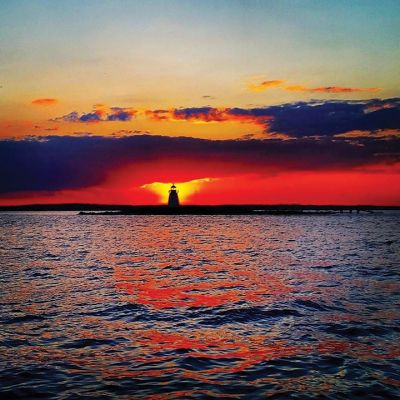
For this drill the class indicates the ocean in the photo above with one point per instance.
(199, 307)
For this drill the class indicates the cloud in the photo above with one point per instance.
(332, 118)
(260, 87)
(300, 119)
(316, 118)
(210, 114)
(54, 163)
(45, 102)
(330, 89)
(74, 116)
(264, 85)
(159, 115)
(205, 114)
(100, 113)
(121, 114)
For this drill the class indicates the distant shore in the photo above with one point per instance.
(245, 209)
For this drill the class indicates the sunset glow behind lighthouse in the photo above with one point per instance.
(186, 189)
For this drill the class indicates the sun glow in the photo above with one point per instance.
(185, 189)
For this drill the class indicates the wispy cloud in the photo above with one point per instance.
(330, 89)
(281, 84)
(44, 102)
(260, 87)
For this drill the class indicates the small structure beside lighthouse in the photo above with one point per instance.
(173, 199)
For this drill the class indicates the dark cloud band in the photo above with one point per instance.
(64, 162)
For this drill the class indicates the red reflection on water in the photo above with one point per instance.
(239, 353)
(84, 287)
(163, 286)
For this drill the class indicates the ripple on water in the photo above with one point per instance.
(176, 307)
(248, 315)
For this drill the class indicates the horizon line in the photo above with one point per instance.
(49, 205)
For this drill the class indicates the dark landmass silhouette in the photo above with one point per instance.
(228, 209)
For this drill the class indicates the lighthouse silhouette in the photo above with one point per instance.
(173, 199)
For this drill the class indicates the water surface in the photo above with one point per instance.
(171, 307)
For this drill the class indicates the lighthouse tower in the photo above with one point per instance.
(173, 199)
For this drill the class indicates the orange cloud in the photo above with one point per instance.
(100, 110)
(207, 114)
(381, 133)
(329, 89)
(260, 87)
(380, 106)
(45, 102)
(158, 115)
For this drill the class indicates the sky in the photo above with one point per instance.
(234, 101)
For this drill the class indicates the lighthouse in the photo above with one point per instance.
(173, 199)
